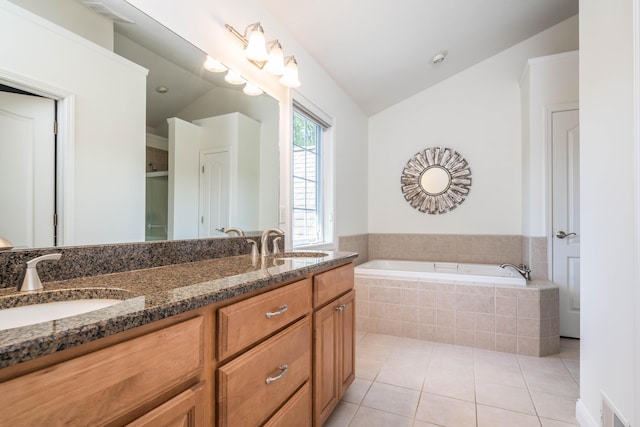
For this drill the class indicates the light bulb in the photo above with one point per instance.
(290, 76)
(234, 78)
(275, 64)
(213, 65)
(256, 48)
(252, 90)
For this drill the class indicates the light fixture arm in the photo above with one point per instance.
(245, 42)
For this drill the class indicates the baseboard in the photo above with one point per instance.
(583, 416)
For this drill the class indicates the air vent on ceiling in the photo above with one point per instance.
(104, 10)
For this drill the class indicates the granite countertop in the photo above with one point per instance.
(148, 295)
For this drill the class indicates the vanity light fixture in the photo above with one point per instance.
(272, 62)
(213, 65)
(234, 78)
(252, 90)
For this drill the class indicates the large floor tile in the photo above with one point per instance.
(368, 368)
(450, 384)
(561, 384)
(342, 415)
(369, 417)
(495, 417)
(389, 398)
(505, 397)
(552, 406)
(445, 411)
(403, 373)
(555, 423)
(356, 392)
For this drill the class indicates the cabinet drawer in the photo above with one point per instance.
(254, 385)
(243, 323)
(296, 412)
(99, 387)
(185, 410)
(333, 283)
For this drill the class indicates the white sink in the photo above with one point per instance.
(16, 317)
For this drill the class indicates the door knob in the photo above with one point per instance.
(562, 235)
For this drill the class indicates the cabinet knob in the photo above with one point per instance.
(341, 307)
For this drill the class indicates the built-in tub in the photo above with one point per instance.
(476, 305)
(441, 272)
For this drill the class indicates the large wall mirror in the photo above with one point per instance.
(194, 155)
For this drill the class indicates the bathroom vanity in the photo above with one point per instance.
(230, 342)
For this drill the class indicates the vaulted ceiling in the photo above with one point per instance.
(380, 51)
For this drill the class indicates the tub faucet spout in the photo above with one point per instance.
(522, 269)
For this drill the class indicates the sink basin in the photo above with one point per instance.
(16, 317)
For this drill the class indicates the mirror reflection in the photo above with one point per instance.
(204, 158)
(435, 180)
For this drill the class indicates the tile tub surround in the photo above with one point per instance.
(82, 261)
(534, 254)
(462, 248)
(357, 243)
(508, 319)
(149, 295)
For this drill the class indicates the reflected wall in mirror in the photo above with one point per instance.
(132, 146)
(436, 180)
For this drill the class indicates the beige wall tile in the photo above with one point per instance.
(529, 346)
(507, 306)
(410, 330)
(446, 318)
(410, 314)
(465, 302)
(446, 300)
(427, 316)
(529, 308)
(394, 312)
(485, 322)
(427, 332)
(427, 298)
(465, 320)
(376, 310)
(362, 292)
(362, 324)
(385, 326)
(362, 309)
(506, 325)
(485, 304)
(486, 340)
(388, 295)
(465, 337)
(410, 296)
(528, 327)
(356, 243)
(445, 335)
(506, 343)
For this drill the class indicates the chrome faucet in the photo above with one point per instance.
(236, 230)
(264, 248)
(522, 269)
(31, 280)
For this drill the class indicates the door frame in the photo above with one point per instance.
(548, 136)
(65, 151)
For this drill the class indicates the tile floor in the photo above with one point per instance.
(402, 382)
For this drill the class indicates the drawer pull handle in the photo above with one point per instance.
(283, 368)
(341, 307)
(270, 314)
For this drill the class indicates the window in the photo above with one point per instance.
(311, 179)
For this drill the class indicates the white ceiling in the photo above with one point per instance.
(379, 51)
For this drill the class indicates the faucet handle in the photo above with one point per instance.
(276, 247)
(31, 280)
(254, 247)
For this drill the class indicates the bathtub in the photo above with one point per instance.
(441, 272)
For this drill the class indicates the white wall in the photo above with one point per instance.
(109, 135)
(548, 82)
(74, 16)
(608, 210)
(477, 113)
(202, 23)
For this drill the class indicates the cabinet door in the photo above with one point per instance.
(325, 386)
(185, 410)
(296, 412)
(346, 328)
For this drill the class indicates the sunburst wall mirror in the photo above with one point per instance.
(436, 180)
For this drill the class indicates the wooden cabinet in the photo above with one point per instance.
(333, 339)
(104, 386)
(184, 410)
(334, 356)
(296, 412)
(248, 321)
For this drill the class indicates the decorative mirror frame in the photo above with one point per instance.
(451, 196)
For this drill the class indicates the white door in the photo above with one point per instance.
(566, 218)
(27, 162)
(214, 192)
